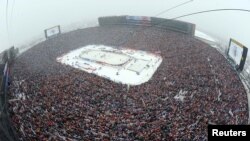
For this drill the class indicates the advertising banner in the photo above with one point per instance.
(139, 20)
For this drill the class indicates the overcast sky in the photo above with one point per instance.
(27, 19)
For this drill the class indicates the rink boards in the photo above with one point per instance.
(126, 66)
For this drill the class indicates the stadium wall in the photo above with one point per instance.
(167, 24)
(6, 130)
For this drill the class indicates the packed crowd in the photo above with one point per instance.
(193, 87)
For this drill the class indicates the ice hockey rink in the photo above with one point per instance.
(123, 65)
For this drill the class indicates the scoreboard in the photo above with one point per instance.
(53, 31)
(237, 53)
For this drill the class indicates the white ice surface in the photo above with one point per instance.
(138, 65)
(114, 64)
(111, 58)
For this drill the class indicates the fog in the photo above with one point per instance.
(26, 19)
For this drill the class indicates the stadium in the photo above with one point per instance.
(128, 78)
